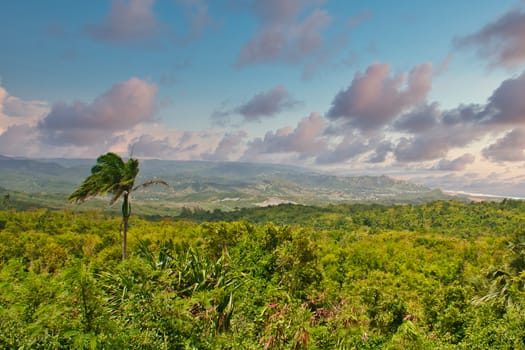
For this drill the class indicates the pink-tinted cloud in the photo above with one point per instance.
(267, 104)
(134, 21)
(18, 108)
(3, 96)
(19, 140)
(375, 98)
(509, 148)
(127, 20)
(122, 107)
(285, 34)
(308, 33)
(26, 140)
(306, 140)
(458, 164)
(502, 42)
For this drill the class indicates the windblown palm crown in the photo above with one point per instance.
(110, 175)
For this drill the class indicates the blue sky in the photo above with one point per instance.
(423, 90)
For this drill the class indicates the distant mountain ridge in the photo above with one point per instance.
(224, 185)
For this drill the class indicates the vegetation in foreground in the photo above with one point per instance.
(443, 275)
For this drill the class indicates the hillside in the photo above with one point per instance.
(216, 185)
(27, 175)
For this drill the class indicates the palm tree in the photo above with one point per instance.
(112, 176)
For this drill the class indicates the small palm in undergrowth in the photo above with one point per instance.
(209, 283)
(507, 284)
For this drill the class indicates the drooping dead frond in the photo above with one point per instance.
(153, 182)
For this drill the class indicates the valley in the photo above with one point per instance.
(208, 185)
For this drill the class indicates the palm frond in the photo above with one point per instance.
(111, 160)
(152, 182)
(106, 176)
(111, 175)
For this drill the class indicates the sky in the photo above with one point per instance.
(428, 91)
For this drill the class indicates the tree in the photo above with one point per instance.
(111, 175)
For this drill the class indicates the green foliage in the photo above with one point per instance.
(443, 275)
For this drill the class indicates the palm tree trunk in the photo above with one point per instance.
(126, 212)
(124, 236)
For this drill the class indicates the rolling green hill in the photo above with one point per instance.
(211, 185)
